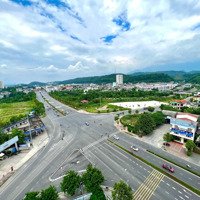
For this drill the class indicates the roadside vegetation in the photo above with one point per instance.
(195, 111)
(17, 105)
(142, 124)
(98, 100)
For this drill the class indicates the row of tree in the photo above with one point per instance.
(90, 181)
(18, 97)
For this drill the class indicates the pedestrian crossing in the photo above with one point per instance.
(147, 188)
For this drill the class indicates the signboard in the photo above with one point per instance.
(183, 123)
(7, 144)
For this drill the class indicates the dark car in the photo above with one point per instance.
(168, 167)
(166, 144)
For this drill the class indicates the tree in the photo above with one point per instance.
(145, 124)
(168, 137)
(92, 178)
(158, 117)
(129, 111)
(70, 183)
(190, 145)
(150, 109)
(19, 133)
(98, 194)
(122, 191)
(32, 196)
(49, 194)
(3, 137)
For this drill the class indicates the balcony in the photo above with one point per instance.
(182, 133)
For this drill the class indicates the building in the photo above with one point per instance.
(1, 85)
(184, 127)
(119, 79)
(179, 104)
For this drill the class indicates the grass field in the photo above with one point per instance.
(8, 110)
(129, 119)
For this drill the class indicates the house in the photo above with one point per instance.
(179, 104)
(184, 126)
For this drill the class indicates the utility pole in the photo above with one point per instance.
(30, 130)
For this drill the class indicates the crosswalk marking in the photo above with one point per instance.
(147, 188)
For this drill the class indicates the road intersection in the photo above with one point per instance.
(69, 133)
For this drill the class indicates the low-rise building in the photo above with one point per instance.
(184, 127)
(179, 104)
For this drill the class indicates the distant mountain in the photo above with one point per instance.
(193, 78)
(149, 78)
(36, 83)
(176, 75)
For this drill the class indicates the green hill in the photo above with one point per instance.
(148, 78)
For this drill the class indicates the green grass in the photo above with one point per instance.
(129, 119)
(195, 190)
(8, 110)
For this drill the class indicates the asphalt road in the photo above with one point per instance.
(69, 133)
(126, 141)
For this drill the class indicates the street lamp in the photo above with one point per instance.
(30, 129)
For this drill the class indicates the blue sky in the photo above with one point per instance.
(47, 40)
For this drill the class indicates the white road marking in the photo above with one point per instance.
(180, 192)
(174, 188)
(186, 196)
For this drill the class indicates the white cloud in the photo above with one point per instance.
(46, 35)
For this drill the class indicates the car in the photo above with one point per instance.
(134, 148)
(166, 144)
(168, 167)
(86, 123)
(116, 137)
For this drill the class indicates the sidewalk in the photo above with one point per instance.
(16, 161)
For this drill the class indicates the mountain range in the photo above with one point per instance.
(148, 77)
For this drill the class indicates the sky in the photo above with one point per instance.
(48, 40)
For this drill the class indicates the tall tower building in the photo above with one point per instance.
(1, 85)
(119, 79)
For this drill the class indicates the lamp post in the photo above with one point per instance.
(30, 130)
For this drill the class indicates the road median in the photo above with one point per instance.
(195, 190)
(185, 168)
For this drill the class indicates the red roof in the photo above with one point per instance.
(84, 101)
(181, 101)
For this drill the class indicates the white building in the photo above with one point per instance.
(1, 85)
(184, 127)
(119, 79)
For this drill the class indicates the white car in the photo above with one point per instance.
(116, 137)
(134, 148)
(86, 123)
